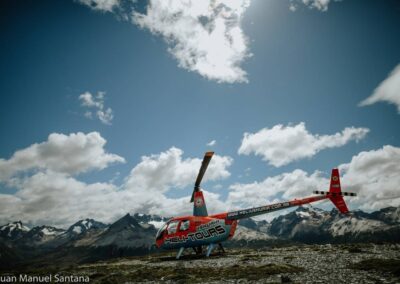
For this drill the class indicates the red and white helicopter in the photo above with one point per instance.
(202, 229)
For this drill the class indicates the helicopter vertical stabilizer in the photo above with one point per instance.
(199, 204)
(336, 192)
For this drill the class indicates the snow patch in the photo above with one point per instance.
(77, 229)
(355, 226)
(302, 214)
(145, 226)
(157, 224)
(243, 233)
(50, 232)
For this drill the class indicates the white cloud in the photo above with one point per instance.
(373, 175)
(101, 5)
(57, 199)
(321, 5)
(60, 200)
(281, 145)
(295, 184)
(165, 170)
(387, 91)
(70, 154)
(212, 143)
(52, 196)
(105, 115)
(204, 36)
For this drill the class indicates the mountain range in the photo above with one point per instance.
(89, 240)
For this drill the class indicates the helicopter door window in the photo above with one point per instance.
(172, 227)
(184, 225)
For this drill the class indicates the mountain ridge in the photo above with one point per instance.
(89, 240)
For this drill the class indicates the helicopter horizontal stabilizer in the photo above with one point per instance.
(320, 192)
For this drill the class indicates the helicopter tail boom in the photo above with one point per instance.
(334, 194)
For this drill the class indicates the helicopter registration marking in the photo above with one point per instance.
(256, 210)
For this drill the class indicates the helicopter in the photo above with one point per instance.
(202, 230)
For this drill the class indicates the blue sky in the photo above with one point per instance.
(303, 71)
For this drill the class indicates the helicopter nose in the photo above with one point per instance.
(159, 243)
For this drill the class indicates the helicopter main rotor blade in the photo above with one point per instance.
(203, 168)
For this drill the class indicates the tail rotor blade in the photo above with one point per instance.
(203, 168)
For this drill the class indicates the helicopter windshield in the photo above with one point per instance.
(161, 230)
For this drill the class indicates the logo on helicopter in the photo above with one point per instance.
(206, 231)
(198, 202)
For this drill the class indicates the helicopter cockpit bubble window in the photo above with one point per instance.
(184, 225)
(172, 226)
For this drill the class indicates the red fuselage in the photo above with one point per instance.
(193, 231)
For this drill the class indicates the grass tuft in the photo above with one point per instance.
(382, 265)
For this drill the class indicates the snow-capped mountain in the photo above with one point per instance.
(314, 225)
(43, 231)
(246, 234)
(155, 220)
(13, 231)
(304, 220)
(128, 232)
(389, 215)
(40, 235)
(83, 226)
(354, 224)
(90, 240)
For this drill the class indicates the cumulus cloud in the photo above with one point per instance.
(50, 193)
(101, 5)
(104, 114)
(60, 200)
(373, 175)
(295, 184)
(387, 91)
(53, 195)
(70, 154)
(281, 145)
(204, 36)
(168, 169)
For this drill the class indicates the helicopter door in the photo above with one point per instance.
(184, 226)
(172, 227)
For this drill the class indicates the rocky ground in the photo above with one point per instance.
(299, 264)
